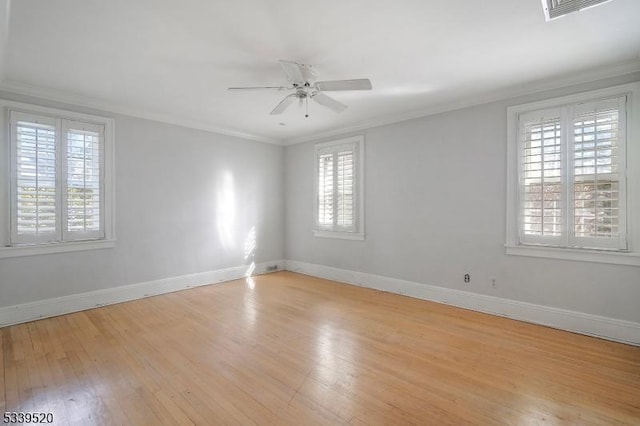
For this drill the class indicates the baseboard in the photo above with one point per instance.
(577, 322)
(79, 302)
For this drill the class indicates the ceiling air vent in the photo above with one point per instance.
(556, 8)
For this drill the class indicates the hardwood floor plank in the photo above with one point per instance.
(297, 350)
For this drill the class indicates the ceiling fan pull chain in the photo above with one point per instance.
(306, 104)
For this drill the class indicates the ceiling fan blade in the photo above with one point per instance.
(279, 109)
(358, 84)
(259, 88)
(329, 102)
(294, 71)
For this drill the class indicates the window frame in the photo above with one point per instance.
(631, 177)
(64, 242)
(358, 188)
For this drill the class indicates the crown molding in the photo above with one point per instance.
(115, 108)
(563, 81)
(499, 95)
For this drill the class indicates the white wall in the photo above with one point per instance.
(435, 210)
(185, 202)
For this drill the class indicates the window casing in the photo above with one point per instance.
(338, 206)
(59, 181)
(569, 183)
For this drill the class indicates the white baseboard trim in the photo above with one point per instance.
(577, 322)
(79, 302)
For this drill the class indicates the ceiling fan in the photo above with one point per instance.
(304, 86)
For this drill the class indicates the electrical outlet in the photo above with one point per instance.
(467, 278)
(271, 268)
(493, 282)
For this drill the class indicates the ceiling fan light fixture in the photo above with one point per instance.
(556, 8)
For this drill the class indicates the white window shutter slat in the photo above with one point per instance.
(34, 193)
(325, 190)
(597, 202)
(542, 203)
(345, 178)
(83, 192)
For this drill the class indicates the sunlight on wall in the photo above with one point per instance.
(226, 209)
(250, 252)
(250, 244)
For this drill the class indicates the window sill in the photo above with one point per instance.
(339, 235)
(39, 249)
(581, 255)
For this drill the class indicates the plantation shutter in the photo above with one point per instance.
(541, 192)
(34, 174)
(597, 166)
(83, 192)
(336, 180)
(57, 179)
(572, 175)
(345, 177)
(325, 191)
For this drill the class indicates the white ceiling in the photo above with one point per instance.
(173, 61)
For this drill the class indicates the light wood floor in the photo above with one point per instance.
(290, 349)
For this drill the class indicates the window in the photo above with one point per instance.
(570, 185)
(59, 180)
(338, 189)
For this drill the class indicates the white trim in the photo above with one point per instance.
(38, 249)
(584, 255)
(107, 169)
(79, 302)
(340, 235)
(563, 319)
(113, 107)
(630, 184)
(588, 96)
(55, 113)
(357, 142)
(524, 89)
